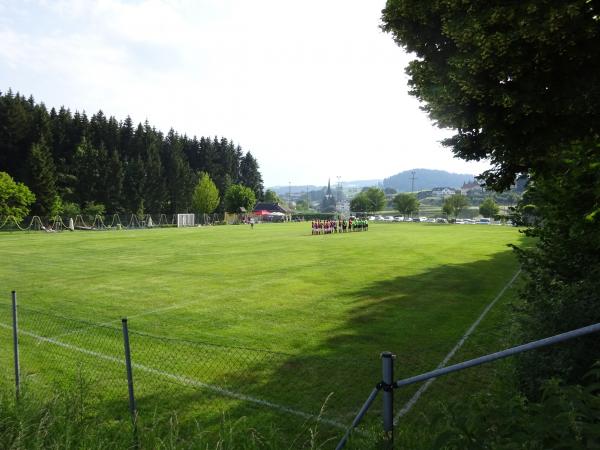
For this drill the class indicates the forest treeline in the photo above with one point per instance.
(71, 161)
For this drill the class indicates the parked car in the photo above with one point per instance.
(416, 219)
(485, 221)
(398, 218)
(441, 220)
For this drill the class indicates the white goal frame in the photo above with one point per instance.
(185, 220)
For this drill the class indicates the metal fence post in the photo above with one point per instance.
(16, 344)
(387, 367)
(132, 408)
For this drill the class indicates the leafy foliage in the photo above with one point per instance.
(565, 417)
(489, 208)
(43, 180)
(518, 83)
(15, 198)
(406, 203)
(238, 196)
(369, 200)
(206, 195)
(564, 268)
(507, 76)
(271, 196)
(69, 158)
(454, 204)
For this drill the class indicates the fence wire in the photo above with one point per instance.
(202, 381)
(84, 222)
(189, 378)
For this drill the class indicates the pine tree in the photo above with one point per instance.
(250, 175)
(42, 179)
(180, 178)
(155, 192)
(114, 184)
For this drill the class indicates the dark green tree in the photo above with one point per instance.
(454, 205)
(133, 185)
(42, 179)
(506, 76)
(406, 204)
(238, 196)
(87, 165)
(271, 196)
(369, 200)
(250, 175)
(517, 81)
(376, 198)
(113, 184)
(125, 167)
(180, 179)
(489, 208)
(360, 203)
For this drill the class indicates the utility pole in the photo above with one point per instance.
(412, 181)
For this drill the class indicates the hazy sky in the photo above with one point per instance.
(313, 89)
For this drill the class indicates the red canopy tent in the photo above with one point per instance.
(262, 212)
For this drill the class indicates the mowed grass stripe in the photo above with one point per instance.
(409, 288)
(234, 280)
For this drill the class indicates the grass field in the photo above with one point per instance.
(276, 317)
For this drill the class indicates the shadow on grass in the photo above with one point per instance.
(418, 317)
(311, 397)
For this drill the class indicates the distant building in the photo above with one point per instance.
(328, 204)
(469, 187)
(271, 208)
(442, 191)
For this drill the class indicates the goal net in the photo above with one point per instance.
(185, 220)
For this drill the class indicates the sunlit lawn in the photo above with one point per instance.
(327, 304)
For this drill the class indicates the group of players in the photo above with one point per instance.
(339, 226)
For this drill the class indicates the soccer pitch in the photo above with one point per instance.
(271, 318)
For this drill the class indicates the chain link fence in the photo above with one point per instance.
(85, 222)
(191, 379)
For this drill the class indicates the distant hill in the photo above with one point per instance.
(426, 179)
(284, 190)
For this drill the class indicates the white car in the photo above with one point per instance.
(398, 218)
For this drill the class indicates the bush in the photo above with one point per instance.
(92, 209)
(567, 416)
(70, 209)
